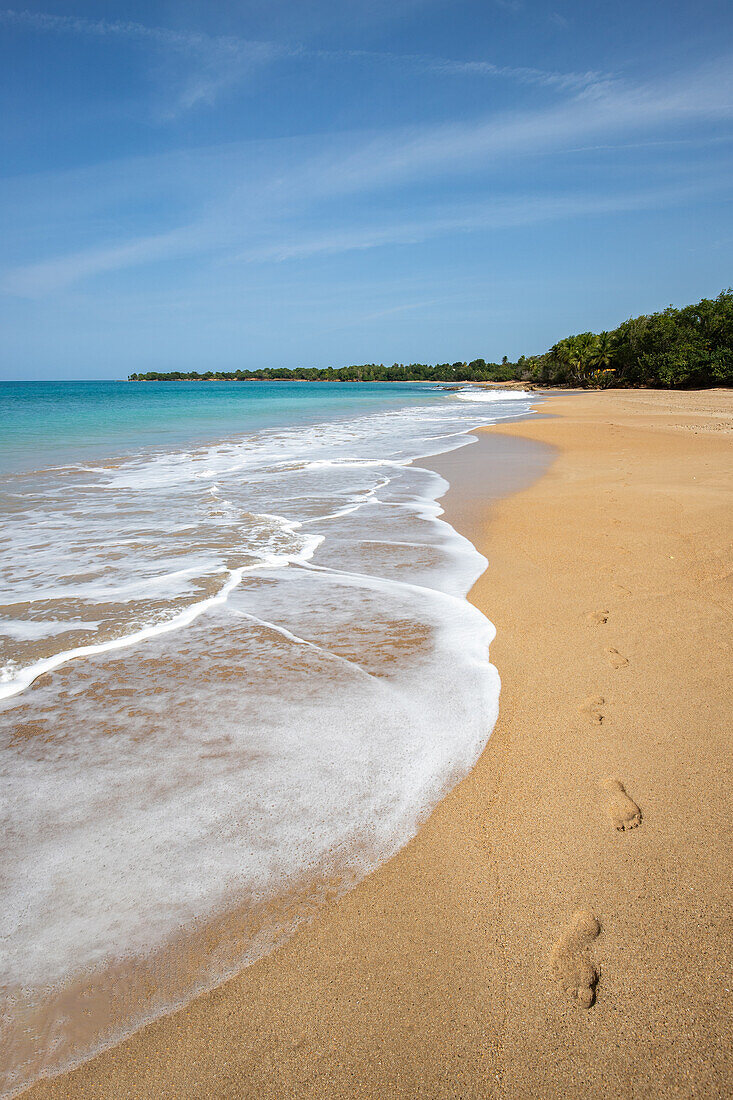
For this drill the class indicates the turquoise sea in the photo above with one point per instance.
(48, 423)
(237, 670)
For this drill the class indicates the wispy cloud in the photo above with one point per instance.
(609, 113)
(451, 67)
(264, 202)
(506, 212)
(219, 62)
(559, 20)
(215, 62)
(37, 279)
(284, 243)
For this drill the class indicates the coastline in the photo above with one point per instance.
(432, 975)
(608, 584)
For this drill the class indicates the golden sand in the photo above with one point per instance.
(561, 926)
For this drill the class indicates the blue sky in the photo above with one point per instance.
(207, 185)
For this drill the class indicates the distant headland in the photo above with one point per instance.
(688, 347)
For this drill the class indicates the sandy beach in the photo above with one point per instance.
(560, 926)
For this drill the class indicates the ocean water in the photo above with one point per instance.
(237, 670)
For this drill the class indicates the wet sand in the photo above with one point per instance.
(465, 966)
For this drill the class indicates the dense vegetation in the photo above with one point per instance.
(692, 346)
(477, 371)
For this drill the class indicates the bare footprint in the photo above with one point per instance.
(598, 616)
(592, 708)
(617, 659)
(571, 964)
(622, 810)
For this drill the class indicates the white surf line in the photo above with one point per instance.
(488, 396)
(304, 641)
(345, 511)
(27, 675)
(348, 509)
(367, 580)
(120, 591)
(354, 463)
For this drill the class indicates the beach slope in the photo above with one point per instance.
(560, 927)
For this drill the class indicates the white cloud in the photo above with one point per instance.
(443, 66)
(218, 62)
(32, 280)
(116, 28)
(559, 20)
(611, 112)
(500, 213)
(281, 243)
(213, 62)
(276, 200)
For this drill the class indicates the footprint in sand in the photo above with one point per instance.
(591, 708)
(571, 964)
(598, 617)
(617, 659)
(622, 810)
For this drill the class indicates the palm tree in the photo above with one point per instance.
(561, 353)
(603, 351)
(577, 354)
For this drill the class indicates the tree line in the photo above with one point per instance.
(476, 371)
(692, 347)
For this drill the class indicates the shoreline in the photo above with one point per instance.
(618, 561)
(432, 975)
(159, 981)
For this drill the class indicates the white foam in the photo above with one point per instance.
(23, 678)
(316, 683)
(29, 629)
(476, 393)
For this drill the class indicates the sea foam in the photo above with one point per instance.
(275, 676)
(483, 395)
